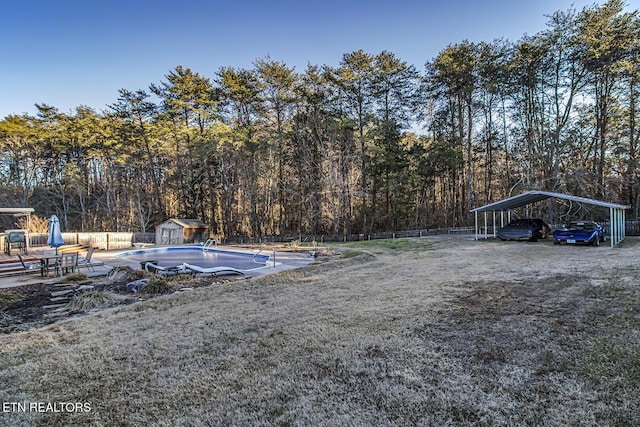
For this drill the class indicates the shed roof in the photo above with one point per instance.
(536, 196)
(188, 222)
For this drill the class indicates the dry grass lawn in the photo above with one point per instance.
(427, 331)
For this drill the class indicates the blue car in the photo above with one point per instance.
(580, 232)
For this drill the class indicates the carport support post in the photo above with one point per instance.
(485, 225)
(623, 214)
(616, 226)
(613, 226)
(494, 225)
(476, 215)
(620, 226)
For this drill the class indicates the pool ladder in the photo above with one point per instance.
(272, 258)
(209, 243)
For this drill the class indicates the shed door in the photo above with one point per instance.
(164, 236)
(174, 237)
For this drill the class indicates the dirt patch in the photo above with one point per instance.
(21, 307)
(35, 305)
(532, 344)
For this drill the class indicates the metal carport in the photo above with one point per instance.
(616, 211)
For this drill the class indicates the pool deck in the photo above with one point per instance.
(110, 259)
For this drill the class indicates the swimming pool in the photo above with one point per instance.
(203, 257)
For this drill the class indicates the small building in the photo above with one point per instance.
(177, 231)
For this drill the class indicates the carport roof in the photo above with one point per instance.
(536, 196)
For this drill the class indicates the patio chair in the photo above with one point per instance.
(68, 263)
(85, 261)
(28, 267)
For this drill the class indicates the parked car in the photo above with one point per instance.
(580, 232)
(530, 229)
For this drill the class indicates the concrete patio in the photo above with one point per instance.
(106, 260)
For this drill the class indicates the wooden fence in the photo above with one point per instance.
(105, 241)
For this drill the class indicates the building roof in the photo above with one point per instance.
(16, 211)
(536, 196)
(188, 222)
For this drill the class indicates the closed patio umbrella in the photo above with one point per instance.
(55, 237)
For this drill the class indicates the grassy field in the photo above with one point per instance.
(401, 332)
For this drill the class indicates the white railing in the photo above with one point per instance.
(209, 243)
(271, 259)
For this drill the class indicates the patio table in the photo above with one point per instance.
(47, 262)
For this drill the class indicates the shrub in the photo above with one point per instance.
(123, 275)
(90, 300)
(156, 285)
(294, 244)
(75, 277)
(8, 298)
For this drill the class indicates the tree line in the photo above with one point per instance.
(372, 144)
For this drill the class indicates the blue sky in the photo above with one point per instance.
(67, 53)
